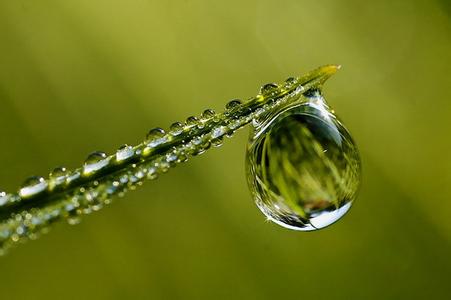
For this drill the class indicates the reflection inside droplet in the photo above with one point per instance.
(303, 166)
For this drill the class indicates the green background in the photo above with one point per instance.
(84, 75)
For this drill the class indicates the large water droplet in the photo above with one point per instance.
(303, 166)
(94, 162)
(33, 186)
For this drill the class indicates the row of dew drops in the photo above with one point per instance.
(93, 195)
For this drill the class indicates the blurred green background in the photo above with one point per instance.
(78, 76)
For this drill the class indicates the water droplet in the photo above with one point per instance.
(208, 114)
(124, 152)
(171, 157)
(176, 128)
(269, 89)
(58, 173)
(3, 198)
(233, 104)
(290, 83)
(74, 220)
(57, 177)
(33, 186)
(155, 137)
(192, 122)
(94, 162)
(303, 166)
(218, 132)
(217, 142)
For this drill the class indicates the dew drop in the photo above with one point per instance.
(58, 173)
(155, 137)
(269, 89)
(192, 122)
(302, 165)
(58, 176)
(176, 128)
(208, 114)
(95, 161)
(217, 142)
(124, 152)
(290, 83)
(3, 198)
(218, 132)
(33, 186)
(233, 104)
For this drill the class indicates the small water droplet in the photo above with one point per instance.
(234, 124)
(290, 83)
(171, 157)
(208, 114)
(155, 137)
(176, 128)
(192, 122)
(95, 161)
(303, 166)
(269, 89)
(33, 186)
(155, 133)
(3, 198)
(218, 132)
(124, 152)
(58, 176)
(233, 104)
(217, 142)
(152, 173)
(58, 173)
